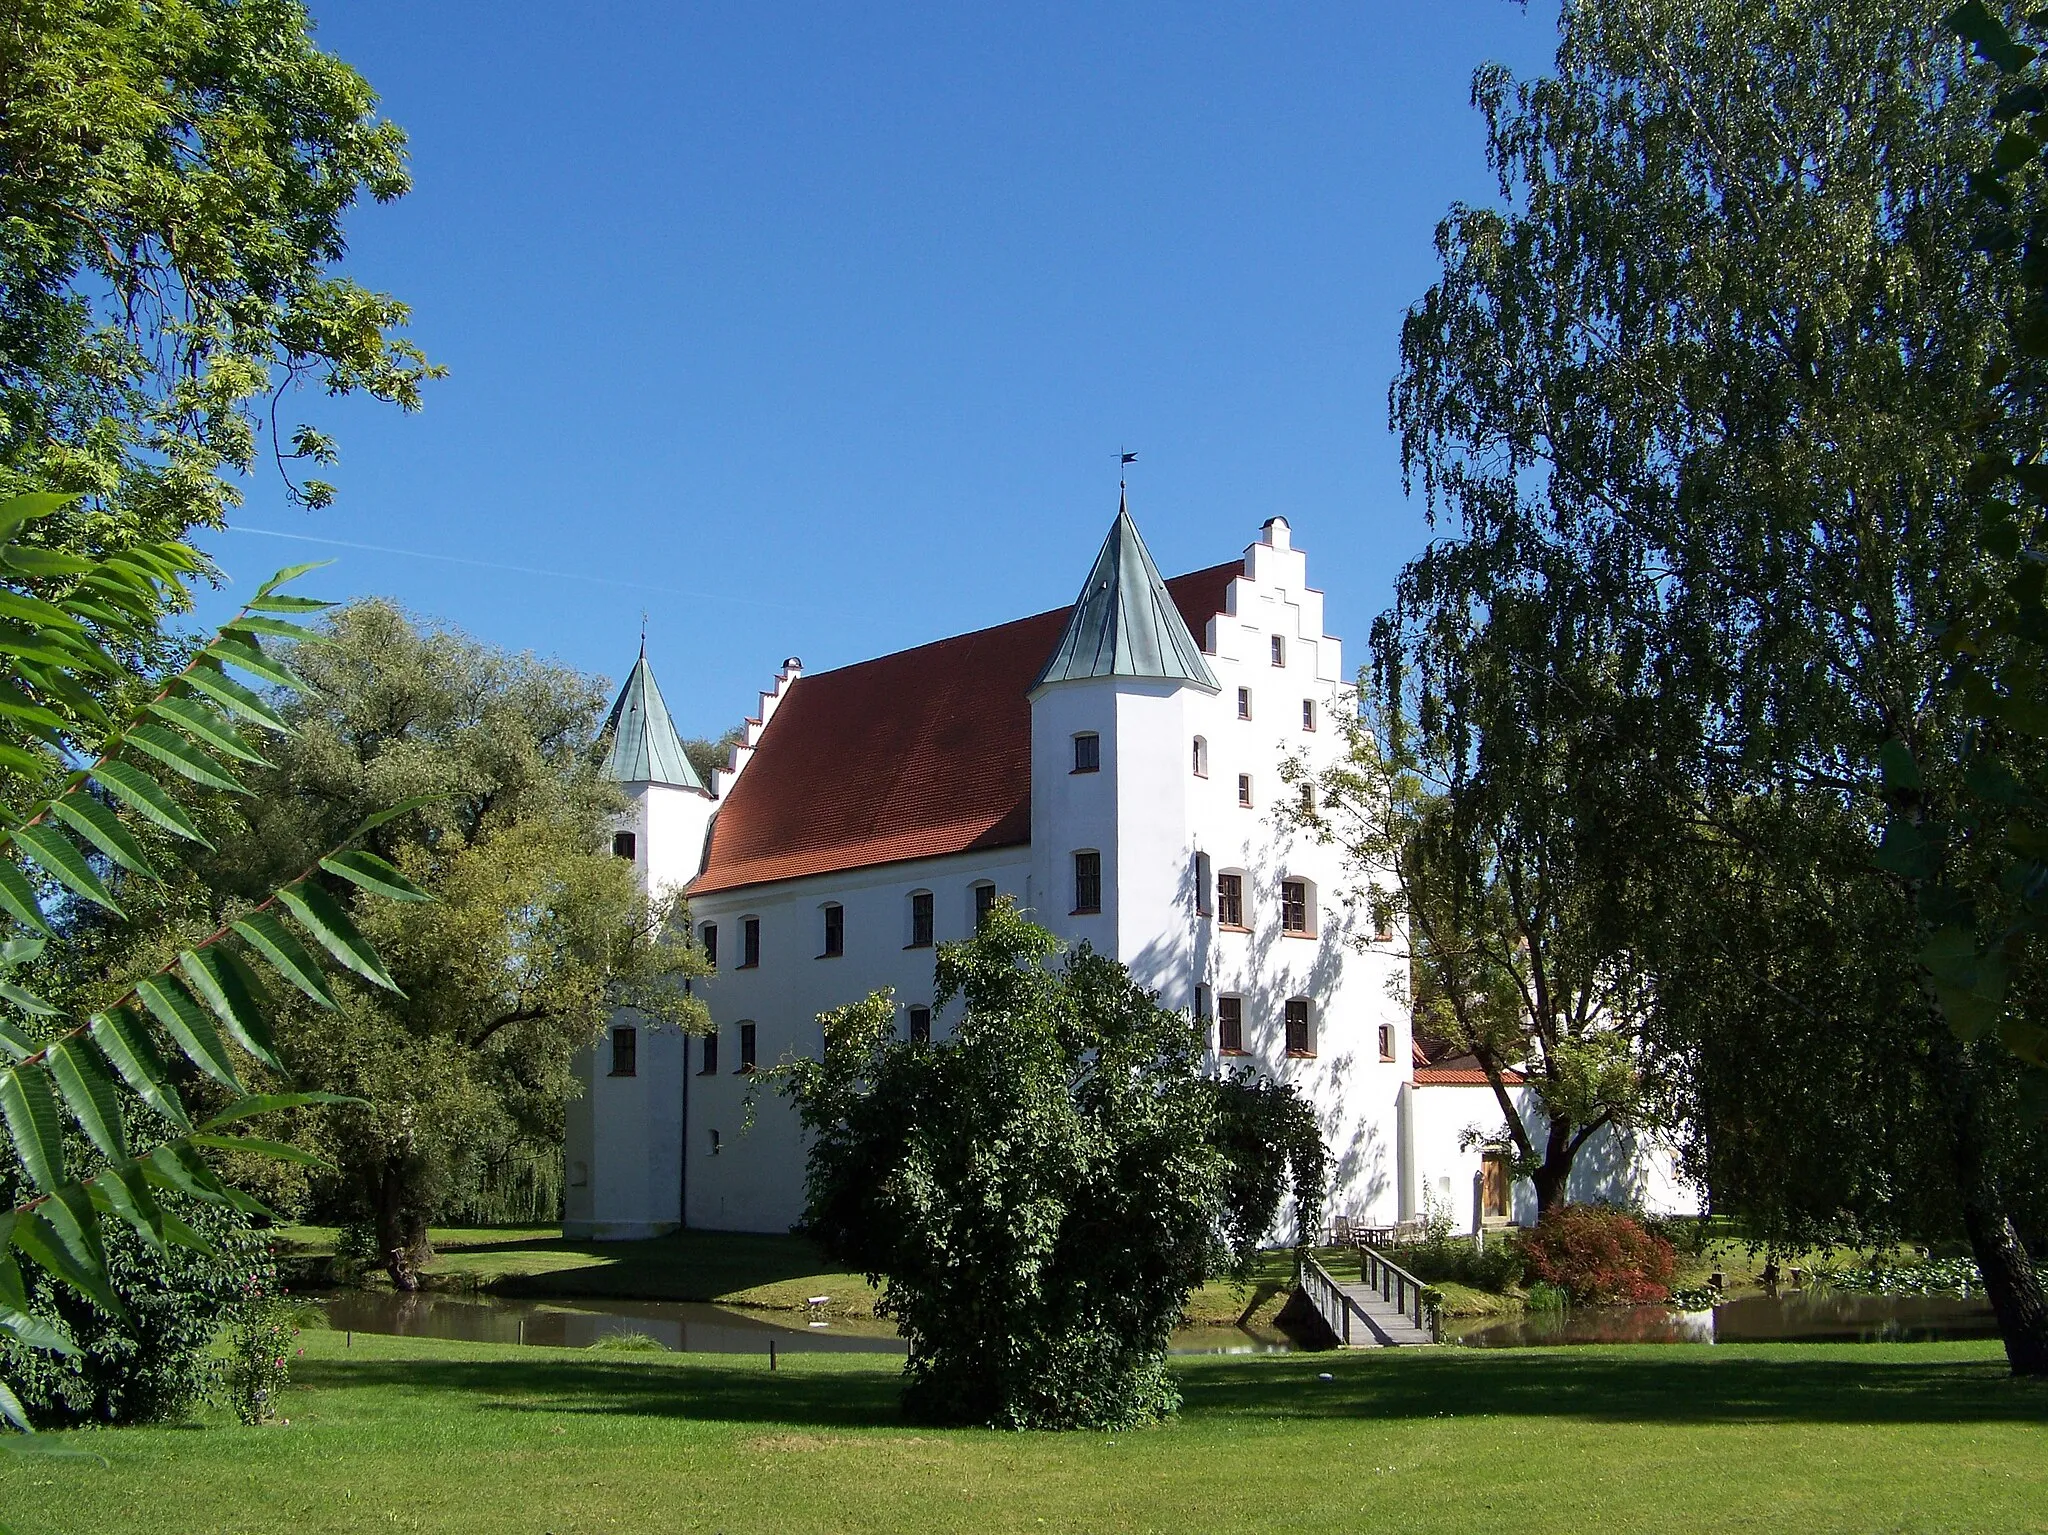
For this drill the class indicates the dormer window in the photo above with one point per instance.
(1244, 703)
(1279, 651)
(624, 845)
(1087, 752)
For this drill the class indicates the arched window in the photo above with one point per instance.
(1298, 908)
(835, 930)
(920, 920)
(1087, 882)
(1301, 1028)
(1386, 1042)
(1201, 757)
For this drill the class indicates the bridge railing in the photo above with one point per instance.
(1340, 1313)
(1394, 1284)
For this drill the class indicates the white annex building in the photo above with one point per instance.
(1114, 767)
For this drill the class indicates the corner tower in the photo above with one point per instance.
(1110, 723)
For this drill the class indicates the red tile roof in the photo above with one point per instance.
(915, 755)
(1434, 1065)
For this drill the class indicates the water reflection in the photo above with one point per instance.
(680, 1326)
(1752, 1319)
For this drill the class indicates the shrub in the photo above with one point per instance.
(259, 1362)
(153, 1363)
(1600, 1256)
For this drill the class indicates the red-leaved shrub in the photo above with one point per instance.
(1600, 1256)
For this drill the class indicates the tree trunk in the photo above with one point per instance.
(1552, 1179)
(401, 1232)
(2014, 1285)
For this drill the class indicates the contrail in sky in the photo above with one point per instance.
(522, 570)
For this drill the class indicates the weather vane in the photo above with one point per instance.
(1128, 458)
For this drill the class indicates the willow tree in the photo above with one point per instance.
(1708, 382)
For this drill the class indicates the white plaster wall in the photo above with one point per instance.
(1072, 811)
(1626, 1168)
(624, 1142)
(754, 1182)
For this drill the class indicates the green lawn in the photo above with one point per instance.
(732, 1268)
(404, 1434)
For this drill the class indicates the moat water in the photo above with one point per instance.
(1791, 1318)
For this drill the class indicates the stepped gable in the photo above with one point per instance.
(914, 755)
(644, 745)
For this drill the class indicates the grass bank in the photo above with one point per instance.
(408, 1434)
(730, 1268)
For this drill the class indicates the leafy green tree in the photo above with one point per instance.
(1709, 385)
(537, 932)
(1509, 960)
(1040, 1192)
(173, 177)
(114, 1096)
(711, 756)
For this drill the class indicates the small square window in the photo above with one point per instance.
(1301, 1038)
(711, 1055)
(1386, 1042)
(707, 935)
(1087, 883)
(624, 845)
(984, 905)
(835, 931)
(1230, 900)
(1088, 752)
(1244, 703)
(625, 1051)
(746, 1047)
(750, 943)
(921, 919)
(1279, 651)
(920, 1025)
(1244, 790)
(1230, 1025)
(1308, 714)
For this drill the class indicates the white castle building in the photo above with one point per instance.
(1113, 767)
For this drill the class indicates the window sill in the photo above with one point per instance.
(1296, 932)
(833, 954)
(622, 1073)
(1077, 772)
(1233, 1052)
(756, 965)
(909, 946)
(1301, 1055)
(1085, 911)
(743, 1071)
(1232, 927)
(711, 1073)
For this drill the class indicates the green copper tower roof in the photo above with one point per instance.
(1123, 623)
(645, 747)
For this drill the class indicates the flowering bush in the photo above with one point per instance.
(259, 1363)
(1600, 1256)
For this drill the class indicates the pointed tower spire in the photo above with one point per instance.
(645, 747)
(1123, 623)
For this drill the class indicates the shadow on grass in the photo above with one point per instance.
(1672, 1385)
(686, 1265)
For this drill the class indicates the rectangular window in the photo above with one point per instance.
(1087, 882)
(1308, 714)
(1088, 753)
(1386, 1042)
(984, 903)
(708, 936)
(1244, 790)
(625, 1052)
(711, 1054)
(623, 844)
(1294, 907)
(835, 931)
(921, 1025)
(1201, 756)
(1300, 1038)
(921, 920)
(1230, 900)
(750, 943)
(1308, 797)
(1230, 1025)
(1201, 884)
(747, 1046)
(1382, 924)
(1279, 651)
(1244, 703)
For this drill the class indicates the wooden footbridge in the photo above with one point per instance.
(1387, 1308)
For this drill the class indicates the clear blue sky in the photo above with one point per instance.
(823, 325)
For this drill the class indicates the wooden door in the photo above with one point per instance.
(1493, 1186)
